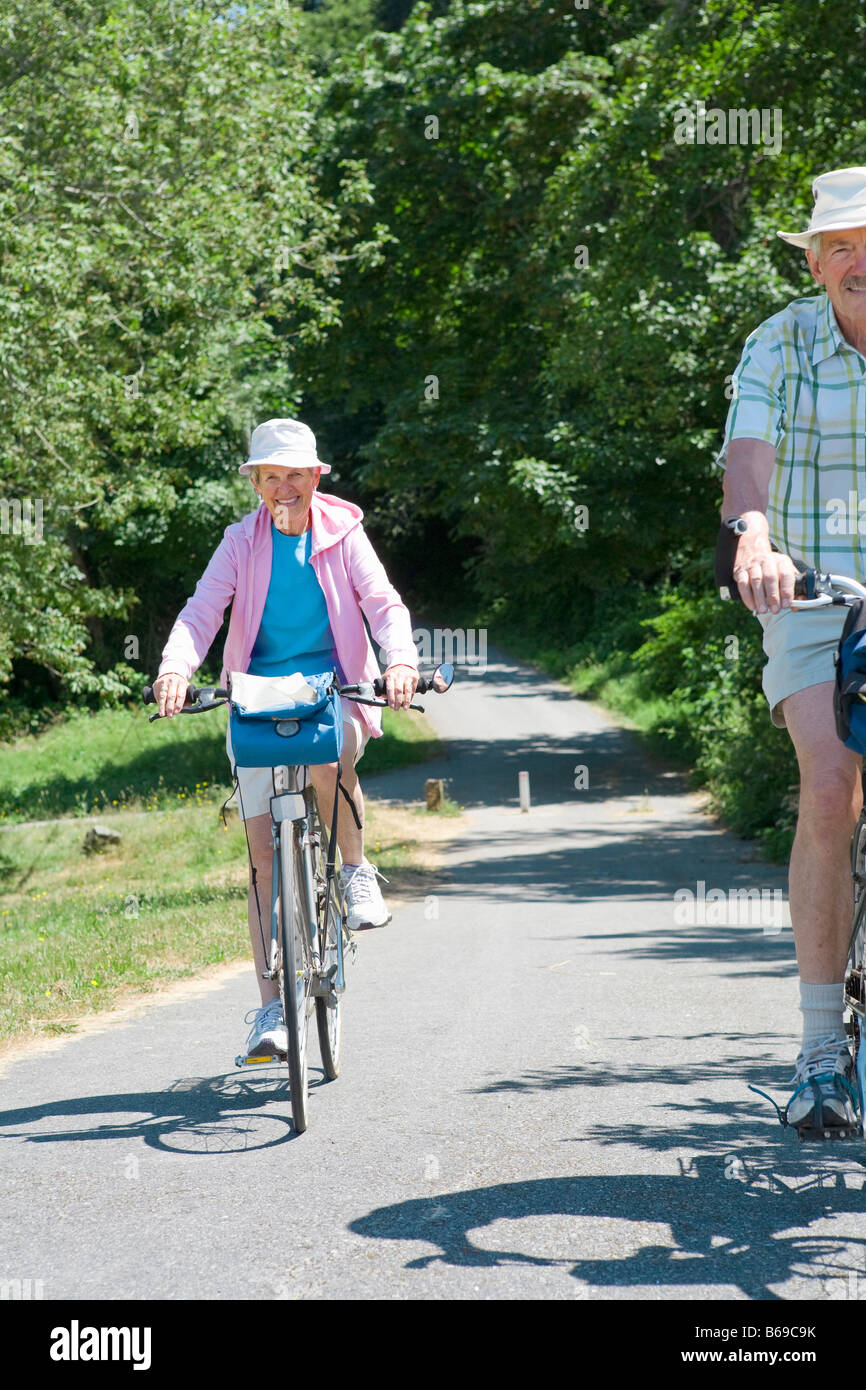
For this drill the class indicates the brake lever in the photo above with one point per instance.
(382, 704)
(191, 709)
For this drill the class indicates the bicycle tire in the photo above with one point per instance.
(329, 1020)
(856, 963)
(295, 976)
(857, 942)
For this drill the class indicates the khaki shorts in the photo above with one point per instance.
(256, 784)
(799, 648)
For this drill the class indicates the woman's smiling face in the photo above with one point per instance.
(287, 493)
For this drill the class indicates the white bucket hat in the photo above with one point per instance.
(840, 203)
(286, 443)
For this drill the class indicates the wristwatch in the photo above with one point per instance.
(737, 524)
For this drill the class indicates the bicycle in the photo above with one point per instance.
(306, 955)
(812, 590)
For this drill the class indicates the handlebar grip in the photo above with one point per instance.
(148, 697)
(726, 553)
(421, 688)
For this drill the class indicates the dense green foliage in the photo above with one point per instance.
(462, 241)
(165, 250)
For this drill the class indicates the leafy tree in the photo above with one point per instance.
(333, 27)
(159, 215)
(577, 282)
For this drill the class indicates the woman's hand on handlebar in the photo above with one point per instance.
(170, 693)
(765, 577)
(400, 685)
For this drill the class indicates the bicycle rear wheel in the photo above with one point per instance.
(296, 972)
(329, 1010)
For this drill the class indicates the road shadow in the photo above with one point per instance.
(671, 867)
(694, 1122)
(717, 1230)
(606, 764)
(195, 1115)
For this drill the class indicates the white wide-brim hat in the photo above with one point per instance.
(840, 204)
(284, 443)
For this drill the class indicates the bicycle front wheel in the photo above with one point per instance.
(296, 973)
(858, 874)
(329, 1009)
(855, 975)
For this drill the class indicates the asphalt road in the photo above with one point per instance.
(544, 1089)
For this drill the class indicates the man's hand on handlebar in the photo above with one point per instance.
(765, 577)
(400, 685)
(170, 693)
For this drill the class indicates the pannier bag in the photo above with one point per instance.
(287, 720)
(849, 696)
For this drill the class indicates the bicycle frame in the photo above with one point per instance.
(289, 808)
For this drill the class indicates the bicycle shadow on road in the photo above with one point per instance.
(194, 1115)
(693, 1228)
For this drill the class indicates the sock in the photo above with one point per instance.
(350, 866)
(822, 1008)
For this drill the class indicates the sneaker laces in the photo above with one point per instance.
(364, 877)
(262, 1015)
(822, 1056)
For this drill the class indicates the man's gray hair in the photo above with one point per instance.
(815, 243)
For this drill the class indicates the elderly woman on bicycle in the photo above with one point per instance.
(301, 575)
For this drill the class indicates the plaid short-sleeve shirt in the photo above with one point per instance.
(802, 388)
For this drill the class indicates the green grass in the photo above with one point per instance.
(83, 933)
(93, 762)
(77, 931)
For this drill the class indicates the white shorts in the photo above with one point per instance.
(256, 784)
(800, 648)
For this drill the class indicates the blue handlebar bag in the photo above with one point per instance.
(300, 732)
(849, 696)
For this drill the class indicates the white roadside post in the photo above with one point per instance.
(523, 786)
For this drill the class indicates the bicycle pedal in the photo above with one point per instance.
(828, 1135)
(243, 1061)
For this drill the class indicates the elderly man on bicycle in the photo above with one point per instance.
(301, 575)
(794, 450)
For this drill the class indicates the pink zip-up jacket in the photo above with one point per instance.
(353, 581)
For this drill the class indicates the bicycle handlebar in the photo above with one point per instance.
(205, 697)
(812, 589)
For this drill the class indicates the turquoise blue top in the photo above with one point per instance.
(294, 634)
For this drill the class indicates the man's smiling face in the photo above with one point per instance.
(287, 492)
(841, 268)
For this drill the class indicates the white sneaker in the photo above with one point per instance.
(365, 906)
(268, 1033)
(824, 1100)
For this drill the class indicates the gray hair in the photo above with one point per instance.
(815, 243)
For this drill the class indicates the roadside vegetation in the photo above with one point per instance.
(85, 932)
(466, 244)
